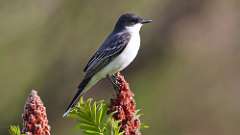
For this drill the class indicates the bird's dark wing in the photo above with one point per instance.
(111, 48)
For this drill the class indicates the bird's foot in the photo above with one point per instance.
(115, 83)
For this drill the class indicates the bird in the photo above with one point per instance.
(117, 51)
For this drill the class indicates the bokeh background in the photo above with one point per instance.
(186, 77)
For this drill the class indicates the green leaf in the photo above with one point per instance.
(95, 112)
(87, 126)
(93, 119)
(100, 111)
(14, 130)
(143, 125)
(103, 113)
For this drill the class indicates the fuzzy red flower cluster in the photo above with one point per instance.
(35, 120)
(124, 107)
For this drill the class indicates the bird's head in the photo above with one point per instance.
(130, 22)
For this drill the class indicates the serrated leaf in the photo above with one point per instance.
(89, 108)
(100, 113)
(93, 119)
(14, 130)
(144, 126)
(94, 112)
(91, 131)
(82, 120)
(103, 112)
(88, 127)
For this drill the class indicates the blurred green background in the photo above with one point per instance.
(186, 77)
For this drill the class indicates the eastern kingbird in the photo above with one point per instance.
(116, 53)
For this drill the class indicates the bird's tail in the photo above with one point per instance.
(75, 99)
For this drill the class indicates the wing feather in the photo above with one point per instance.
(109, 50)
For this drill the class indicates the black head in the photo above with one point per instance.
(129, 19)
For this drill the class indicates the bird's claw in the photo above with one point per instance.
(115, 83)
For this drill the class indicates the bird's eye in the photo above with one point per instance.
(133, 21)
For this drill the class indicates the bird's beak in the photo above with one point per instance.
(145, 21)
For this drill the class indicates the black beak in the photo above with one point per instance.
(145, 21)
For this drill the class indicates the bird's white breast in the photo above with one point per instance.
(129, 53)
(126, 57)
